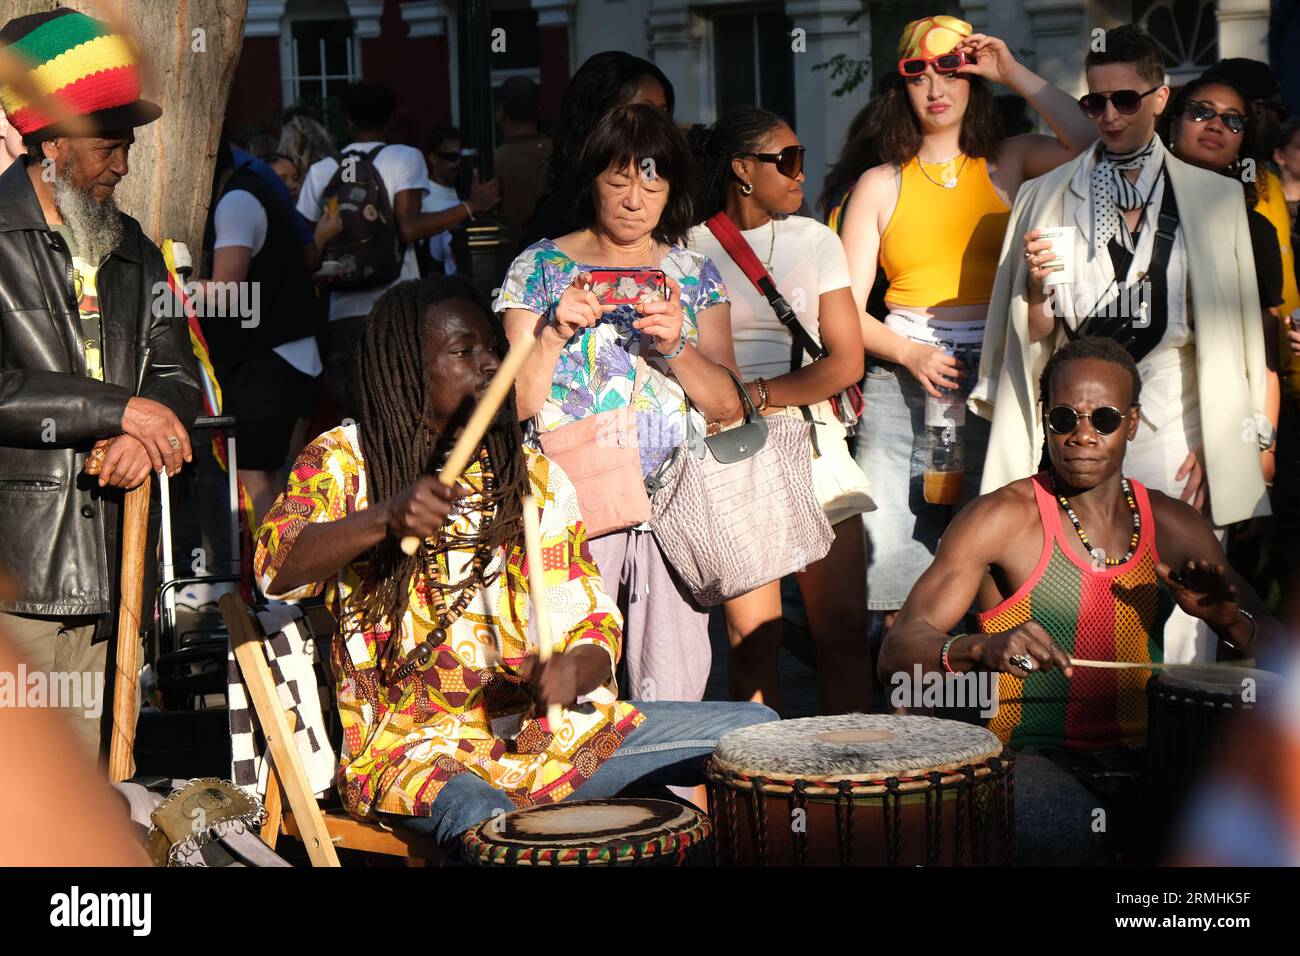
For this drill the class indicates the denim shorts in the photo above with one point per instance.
(903, 532)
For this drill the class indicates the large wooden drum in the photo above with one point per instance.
(862, 790)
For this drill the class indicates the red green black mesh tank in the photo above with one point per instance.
(1117, 614)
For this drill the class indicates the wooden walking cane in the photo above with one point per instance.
(135, 534)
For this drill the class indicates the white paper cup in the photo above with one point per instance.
(1062, 239)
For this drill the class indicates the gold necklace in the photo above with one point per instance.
(770, 247)
(947, 183)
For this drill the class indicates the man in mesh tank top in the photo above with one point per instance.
(1078, 563)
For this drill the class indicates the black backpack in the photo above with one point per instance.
(369, 249)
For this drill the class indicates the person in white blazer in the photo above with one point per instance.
(1203, 421)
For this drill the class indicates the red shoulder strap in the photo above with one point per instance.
(740, 251)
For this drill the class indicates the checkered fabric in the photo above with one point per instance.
(296, 659)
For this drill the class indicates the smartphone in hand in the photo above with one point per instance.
(628, 286)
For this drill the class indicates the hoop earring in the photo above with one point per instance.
(746, 188)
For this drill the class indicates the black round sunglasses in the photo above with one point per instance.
(1063, 420)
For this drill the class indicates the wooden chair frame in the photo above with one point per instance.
(320, 831)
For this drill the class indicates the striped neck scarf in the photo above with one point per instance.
(1112, 192)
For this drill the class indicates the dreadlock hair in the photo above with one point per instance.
(738, 132)
(399, 442)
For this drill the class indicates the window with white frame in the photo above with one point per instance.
(318, 57)
(1187, 32)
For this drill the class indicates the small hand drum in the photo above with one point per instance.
(1188, 710)
(861, 790)
(595, 833)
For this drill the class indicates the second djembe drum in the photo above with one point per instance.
(862, 790)
(621, 832)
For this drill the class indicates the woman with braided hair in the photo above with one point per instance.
(437, 680)
(750, 166)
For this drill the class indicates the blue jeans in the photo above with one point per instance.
(904, 530)
(668, 749)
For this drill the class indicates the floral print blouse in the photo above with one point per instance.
(596, 370)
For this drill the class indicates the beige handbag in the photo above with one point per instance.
(842, 488)
(735, 511)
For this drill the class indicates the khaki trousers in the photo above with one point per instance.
(64, 671)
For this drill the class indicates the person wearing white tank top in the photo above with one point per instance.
(750, 167)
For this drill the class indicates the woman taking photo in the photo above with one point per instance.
(933, 214)
(751, 168)
(631, 202)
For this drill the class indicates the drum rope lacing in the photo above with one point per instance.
(973, 797)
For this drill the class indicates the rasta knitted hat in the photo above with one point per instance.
(83, 67)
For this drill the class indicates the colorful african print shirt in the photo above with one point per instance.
(596, 370)
(1116, 614)
(464, 713)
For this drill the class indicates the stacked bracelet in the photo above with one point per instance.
(943, 655)
(761, 383)
(681, 344)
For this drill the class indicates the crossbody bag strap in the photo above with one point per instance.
(728, 235)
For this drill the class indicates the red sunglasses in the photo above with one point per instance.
(943, 63)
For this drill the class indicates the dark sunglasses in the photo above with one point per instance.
(943, 63)
(448, 157)
(1203, 112)
(1063, 419)
(1126, 101)
(789, 162)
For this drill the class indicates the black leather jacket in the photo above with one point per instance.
(59, 533)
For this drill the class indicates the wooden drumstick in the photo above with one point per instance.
(537, 592)
(1125, 665)
(467, 444)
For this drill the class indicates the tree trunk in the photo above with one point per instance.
(190, 49)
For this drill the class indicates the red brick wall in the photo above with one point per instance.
(255, 91)
(416, 69)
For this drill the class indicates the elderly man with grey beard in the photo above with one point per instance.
(76, 285)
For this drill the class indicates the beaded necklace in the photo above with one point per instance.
(422, 657)
(1097, 553)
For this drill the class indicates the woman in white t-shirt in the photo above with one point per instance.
(751, 168)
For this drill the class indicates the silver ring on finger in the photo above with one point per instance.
(174, 442)
(1023, 661)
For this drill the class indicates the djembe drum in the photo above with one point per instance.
(862, 790)
(1188, 709)
(595, 833)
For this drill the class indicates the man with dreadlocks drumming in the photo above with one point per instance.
(438, 683)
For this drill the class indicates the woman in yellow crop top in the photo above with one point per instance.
(933, 216)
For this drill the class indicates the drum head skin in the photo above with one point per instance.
(854, 747)
(590, 832)
(1226, 682)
